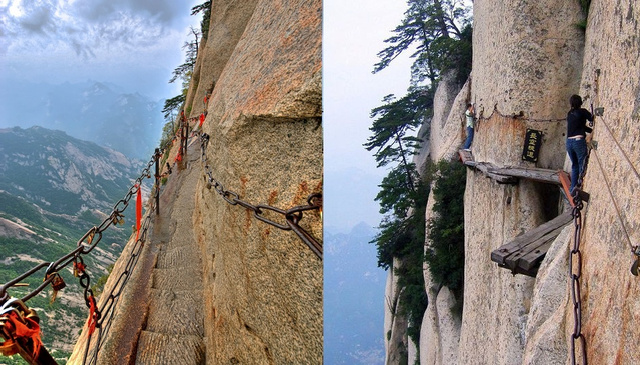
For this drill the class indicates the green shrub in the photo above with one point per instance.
(445, 256)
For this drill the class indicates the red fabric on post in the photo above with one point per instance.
(30, 330)
(138, 212)
(201, 119)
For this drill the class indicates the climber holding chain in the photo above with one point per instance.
(578, 134)
(470, 119)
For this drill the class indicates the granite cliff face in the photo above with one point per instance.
(264, 286)
(261, 286)
(529, 57)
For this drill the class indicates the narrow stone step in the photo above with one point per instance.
(161, 349)
(177, 312)
(177, 257)
(183, 239)
(177, 278)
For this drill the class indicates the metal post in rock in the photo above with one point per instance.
(43, 358)
(186, 139)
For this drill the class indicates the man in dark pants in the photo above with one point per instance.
(577, 134)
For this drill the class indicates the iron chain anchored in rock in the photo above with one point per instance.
(292, 215)
(31, 349)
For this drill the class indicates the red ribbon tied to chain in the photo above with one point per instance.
(138, 211)
(93, 316)
(29, 329)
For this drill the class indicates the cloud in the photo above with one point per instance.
(88, 27)
(163, 11)
(37, 18)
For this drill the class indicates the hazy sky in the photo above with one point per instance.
(133, 43)
(354, 32)
(137, 43)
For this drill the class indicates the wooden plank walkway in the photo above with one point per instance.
(510, 174)
(524, 254)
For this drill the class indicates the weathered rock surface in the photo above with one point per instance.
(395, 325)
(609, 291)
(548, 325)
(227, 24)
(263, 285)
(440, 331)
(445, 132)
(448, 136)
(530, 57)
(256, 295)
(527, 56)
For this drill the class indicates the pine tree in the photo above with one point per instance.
(433, 28)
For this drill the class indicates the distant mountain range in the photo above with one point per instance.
(94, 111)
(53, 189)
(60, 173)
(353, 298)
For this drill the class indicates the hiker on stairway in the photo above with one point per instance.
(578, 134)
(469, 114)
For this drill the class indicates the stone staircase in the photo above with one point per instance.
(174, 330)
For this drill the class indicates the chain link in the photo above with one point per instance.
(291, 216)
(84, 246)
(575, 271)
(517, 116)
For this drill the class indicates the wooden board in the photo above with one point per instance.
(525, 252)
(486, 168)
(535, 174)
(565, 181)
(510, 174)
(465, 156)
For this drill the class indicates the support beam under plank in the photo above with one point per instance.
(525, 252)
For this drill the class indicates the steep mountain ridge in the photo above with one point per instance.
(522, 81)
(53, 189)
(261, 67)
(94, 111)
(55, 170)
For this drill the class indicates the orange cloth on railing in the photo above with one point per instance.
(30, 329)
(93, 316)
(138, 212)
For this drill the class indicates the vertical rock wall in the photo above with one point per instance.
(529, 57)
(395, 324)
(227, 24)
(527, 61)
(263, 285)
(611, 309)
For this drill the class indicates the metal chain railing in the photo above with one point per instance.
(575, 271)
(519, 115)
(84, 246)
(292, 216)
(14, 312)
(100, 317)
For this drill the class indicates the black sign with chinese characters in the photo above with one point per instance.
(532, 141)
